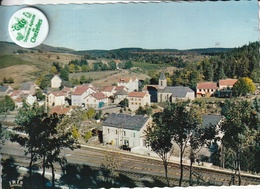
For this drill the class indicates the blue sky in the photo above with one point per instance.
(176, 25)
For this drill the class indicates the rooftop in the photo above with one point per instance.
(227, 82)
(137, 94)
(207, 85)
(177, 91)
(124, 121)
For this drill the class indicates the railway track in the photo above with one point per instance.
(139, 167)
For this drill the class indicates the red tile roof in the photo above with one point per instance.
(207, 85)
(227, 82)
(118, 88)
(59, 110)
(58, 93)
(126, 79)
(80, 90)
(99, 95)
(107, 88)
(137, 94)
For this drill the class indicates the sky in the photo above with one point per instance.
(172, 25)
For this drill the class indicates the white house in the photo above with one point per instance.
(96, 100)
(120, 95)
(30, 99)
(132, 83)
(80, 93)
(206, 89)
(123, 129)
(56, 81)
(108, 90)
(137, 99)
(56, 98)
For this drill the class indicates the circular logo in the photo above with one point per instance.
(28, 27)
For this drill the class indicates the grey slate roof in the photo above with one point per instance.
(211, 119)
(121, 92)
(3, 89)
(162, 76)
(177, 91)
(125, 121)
(26, 86)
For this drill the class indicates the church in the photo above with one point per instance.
(172, 93)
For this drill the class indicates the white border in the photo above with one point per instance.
(45, 2)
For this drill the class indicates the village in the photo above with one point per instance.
(119, 128)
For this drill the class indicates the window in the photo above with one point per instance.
(134, 134)
(116, 132)
(107, 130)
(124, 133)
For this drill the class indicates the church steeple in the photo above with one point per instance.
(162, 81)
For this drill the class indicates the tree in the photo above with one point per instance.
(112, 65)
(128, 65)
(241, 128)
(27, 120)
(6, 104)
(39, 94)
(159, 139)
(144, 110)
(64, 74)
(91, 112)
(244, 86)
(83, 79)
(184, 121)
(45, 136)
(45, 82)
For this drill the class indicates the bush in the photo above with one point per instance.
(88, 135)
(75, 132)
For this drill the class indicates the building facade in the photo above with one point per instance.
(137, 99)
(123, 129)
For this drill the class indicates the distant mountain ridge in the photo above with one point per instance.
(9, 48)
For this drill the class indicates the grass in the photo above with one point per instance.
(11, 60)
(149, 66)
(94, 75)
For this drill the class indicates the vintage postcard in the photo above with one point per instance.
(110, 94)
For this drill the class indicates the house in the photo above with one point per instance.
(213, 120)
(56, 81)
(67, 91)
(171, 94)
(80, 93)
(18, 102)
(122, 129)
(30, 99)
(108, 90)
(5, 90)
(206, 89)
(225, 87)
(131, 83)
(120, 95)
(96, 100)
(137, 99)
(226, 83)
(27, 88)
(56, 98)
(16, 94)
(60, 110)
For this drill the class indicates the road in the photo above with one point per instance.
(133, 164)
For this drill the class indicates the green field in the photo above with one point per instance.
(94, 75)
(149, 66)
(11, 60)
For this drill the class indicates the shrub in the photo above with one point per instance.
(88, 135)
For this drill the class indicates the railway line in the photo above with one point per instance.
(139, 167)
